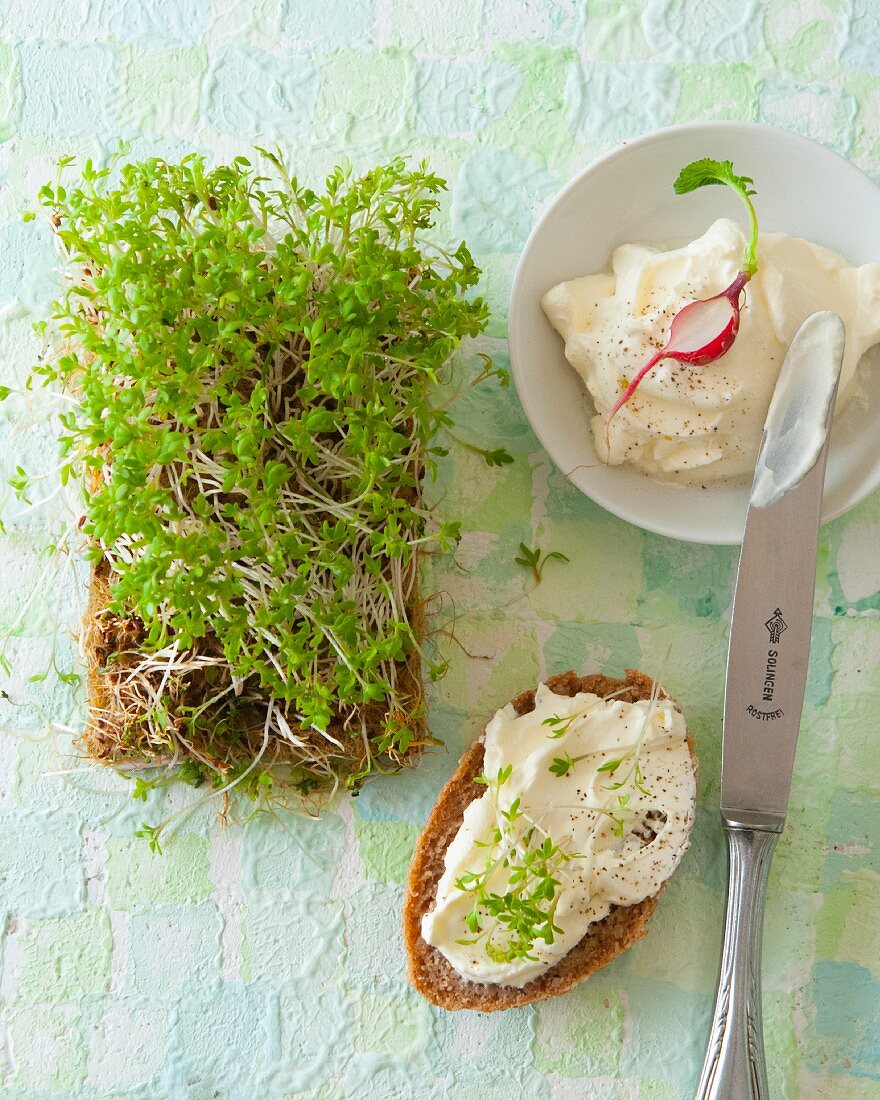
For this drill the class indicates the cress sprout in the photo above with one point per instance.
(253, 367)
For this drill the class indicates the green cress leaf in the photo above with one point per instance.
(706, 172)
(535, 561)
(562, 765)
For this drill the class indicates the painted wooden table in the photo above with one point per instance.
(264, 961)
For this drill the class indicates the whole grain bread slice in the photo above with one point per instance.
(428, 971)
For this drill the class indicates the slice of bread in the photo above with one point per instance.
(428, 971)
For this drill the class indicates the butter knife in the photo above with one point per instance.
(766, 678)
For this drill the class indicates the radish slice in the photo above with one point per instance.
(701, 332)
(698, 330)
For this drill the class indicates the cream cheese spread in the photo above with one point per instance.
(699, 424)
(797, 423)
(606, 787)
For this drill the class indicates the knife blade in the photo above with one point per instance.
(772, 619)
(766, 679)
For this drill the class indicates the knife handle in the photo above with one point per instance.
(734, 1068)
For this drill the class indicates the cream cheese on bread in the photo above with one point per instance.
(616, 820)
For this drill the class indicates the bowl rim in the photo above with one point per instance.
(606, 501)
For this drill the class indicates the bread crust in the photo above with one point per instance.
(428, 971)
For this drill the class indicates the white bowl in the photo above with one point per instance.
(803, 189)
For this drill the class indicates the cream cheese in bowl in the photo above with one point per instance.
(701, 424)
(804, 191)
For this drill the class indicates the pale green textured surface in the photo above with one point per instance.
(265, 961)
